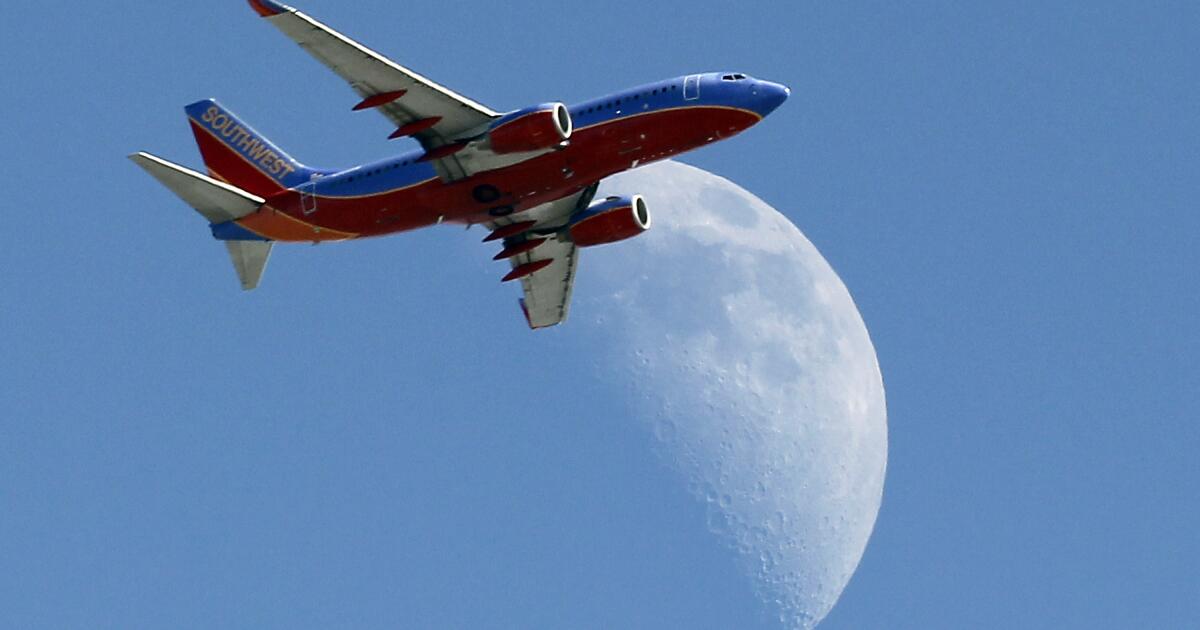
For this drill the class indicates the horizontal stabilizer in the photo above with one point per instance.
(217, 201)
(249, 259)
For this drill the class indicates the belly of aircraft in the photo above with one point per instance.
(594, 152)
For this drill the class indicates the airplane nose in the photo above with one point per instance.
(772, 95)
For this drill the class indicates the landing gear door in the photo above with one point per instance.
(691, 88)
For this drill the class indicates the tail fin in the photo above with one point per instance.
(236, 153)
(221, 204)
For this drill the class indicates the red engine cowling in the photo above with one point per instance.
(539, 128)
(614, 219)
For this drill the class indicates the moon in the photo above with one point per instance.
(755, 375)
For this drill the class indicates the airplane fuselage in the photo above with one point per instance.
(611, 134)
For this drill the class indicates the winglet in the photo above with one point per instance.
(267, 8)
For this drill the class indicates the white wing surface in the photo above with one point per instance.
(402, 95)
(547, 291)
(547, 298)
(216, 201)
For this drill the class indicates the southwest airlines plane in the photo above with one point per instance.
(529, 176)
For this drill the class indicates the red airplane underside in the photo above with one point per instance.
(593, 153)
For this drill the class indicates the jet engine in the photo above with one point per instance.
(614, 219)
(533, 129)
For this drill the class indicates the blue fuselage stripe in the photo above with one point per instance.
(405, 170)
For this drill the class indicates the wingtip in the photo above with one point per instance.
(267, 8)
(525, 310)
(141, 158)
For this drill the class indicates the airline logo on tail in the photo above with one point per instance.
(245, 141)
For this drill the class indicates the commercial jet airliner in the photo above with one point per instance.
(529, 176)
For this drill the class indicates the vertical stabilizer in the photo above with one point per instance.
(237, 154)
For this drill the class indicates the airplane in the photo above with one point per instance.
(529, 176)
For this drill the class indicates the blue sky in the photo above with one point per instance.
(1009, 192)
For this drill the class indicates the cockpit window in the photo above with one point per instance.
(733, 77)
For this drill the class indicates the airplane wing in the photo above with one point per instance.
(433, 114)
(548, 291)
(547, 298)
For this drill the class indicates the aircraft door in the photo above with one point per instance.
(691, 88)
(308, 198)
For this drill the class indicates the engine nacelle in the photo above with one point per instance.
(533, 129)
(614, 219)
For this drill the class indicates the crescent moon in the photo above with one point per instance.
(756, 375)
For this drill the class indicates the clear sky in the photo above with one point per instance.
(1009, 193)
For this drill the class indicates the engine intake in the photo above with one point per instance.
(534, 129)
(614, 219)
